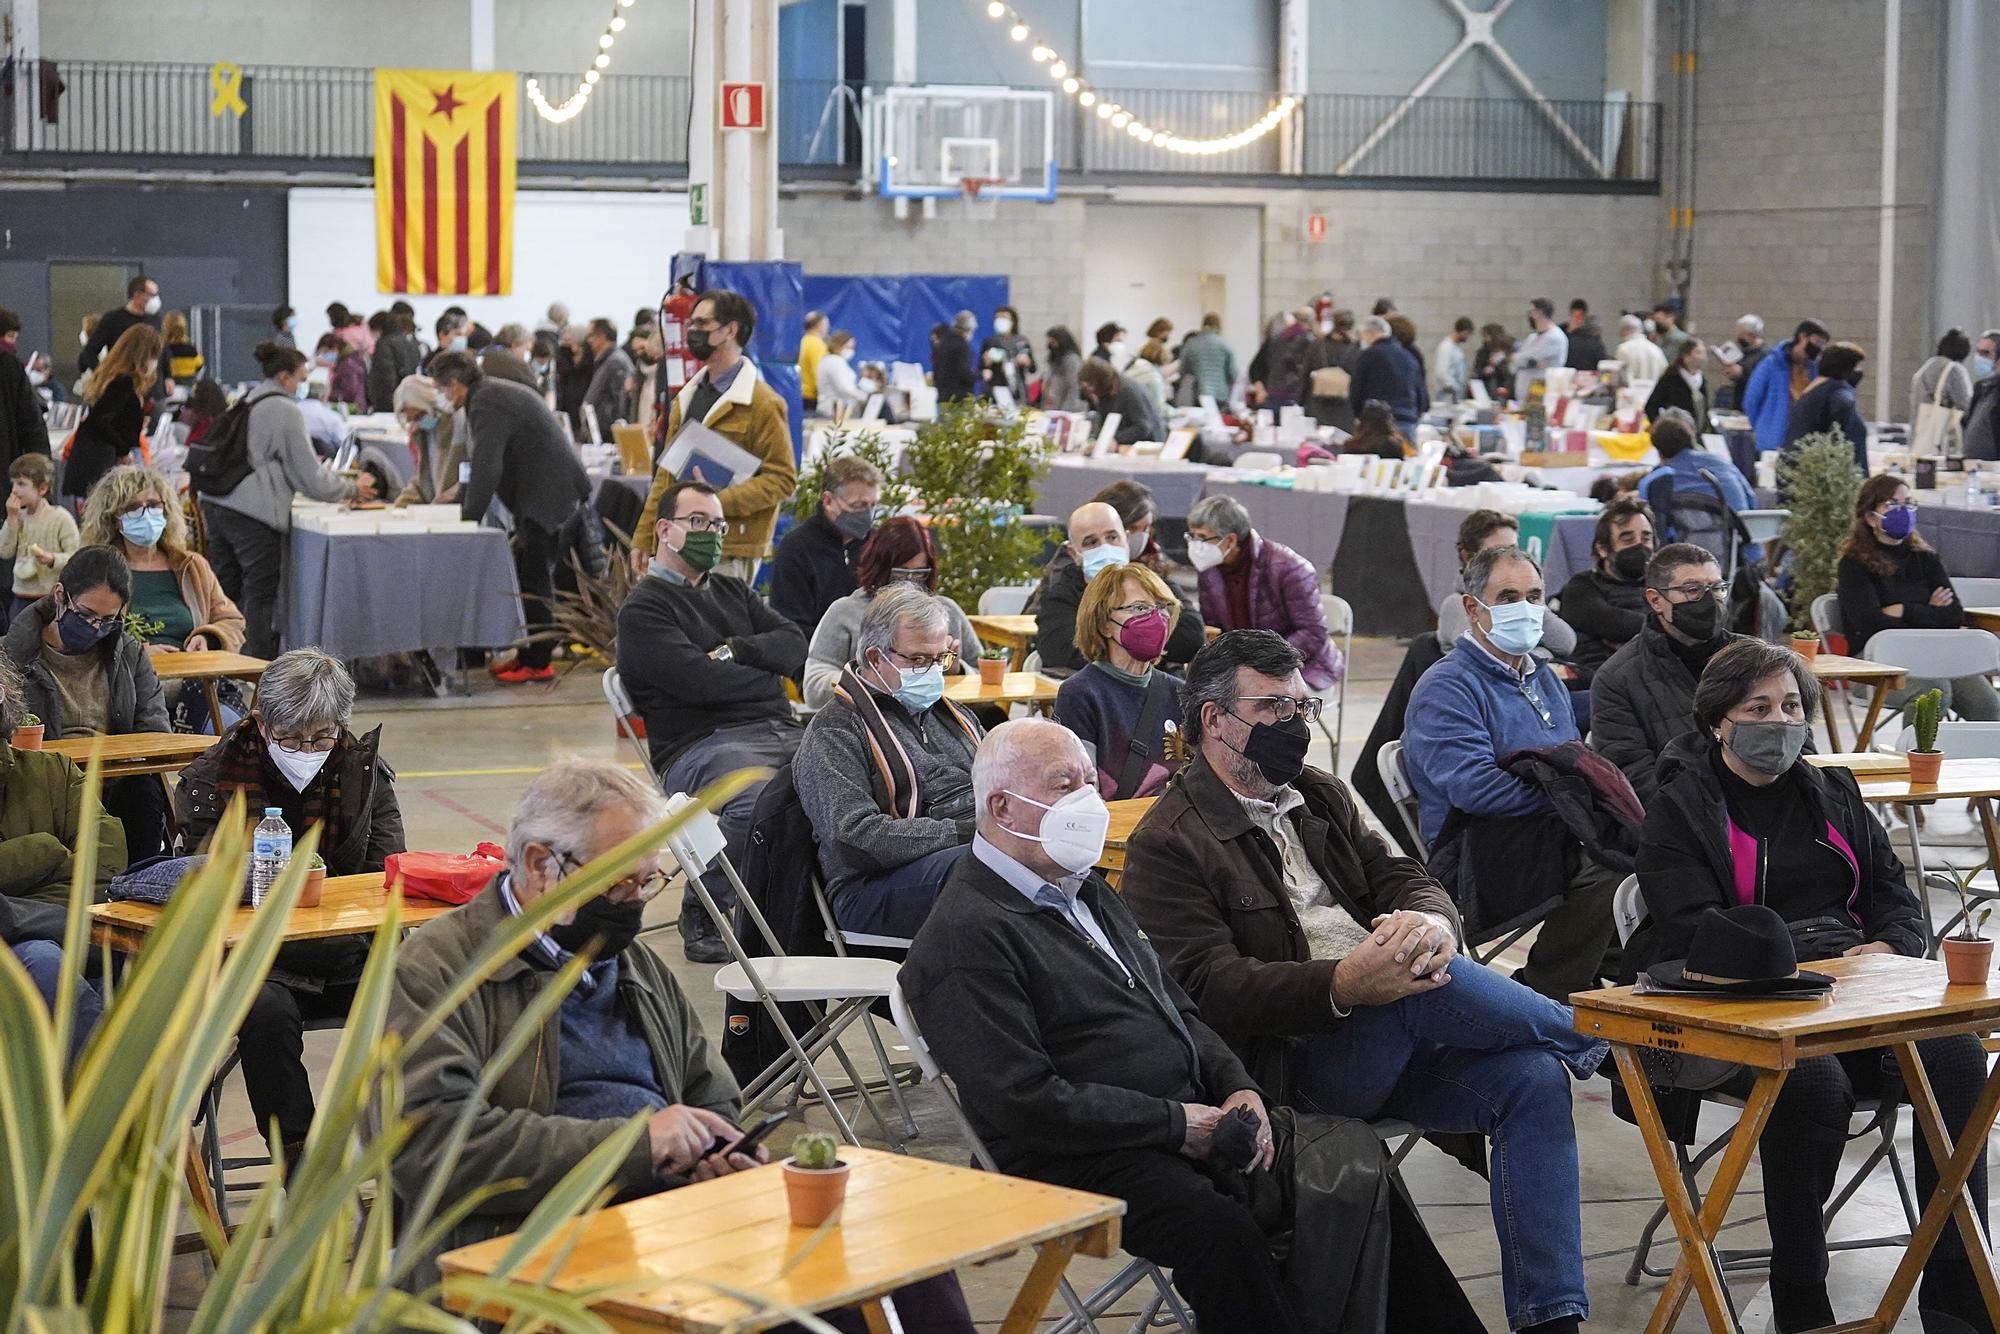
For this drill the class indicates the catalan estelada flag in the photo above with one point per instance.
(444, 182)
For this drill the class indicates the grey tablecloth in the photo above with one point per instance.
(1967, 540)
(1434, 546)
(1072, 482)
(1309, 522)
(1569, 550)
(361, 596)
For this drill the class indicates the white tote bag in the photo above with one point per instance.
(1935, 433)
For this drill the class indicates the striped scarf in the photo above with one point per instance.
(897, 790)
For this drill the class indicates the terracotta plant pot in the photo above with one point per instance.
(315, 883)
(1968, 962)
(814, 1193)
(992, 671)
(1924, 765)
(1806, 648)
(27, 738)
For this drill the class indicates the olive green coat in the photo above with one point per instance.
(41, 819)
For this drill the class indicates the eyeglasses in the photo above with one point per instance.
(1695, 592)
(1132, 609)
(923, 662)
(1282, 708)
(645, 888)
(144, 507)
(299, 745)
(701, 523)
(91, 619)
(1888, 506)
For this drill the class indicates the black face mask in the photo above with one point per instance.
(1630, 564)
(1854, 379)
(613, 925)
(1278, 750)
(1700, 620)
(700, 344)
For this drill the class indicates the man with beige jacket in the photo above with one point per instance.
(729, 397)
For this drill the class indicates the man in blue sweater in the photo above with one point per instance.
(1490, 698)
(1779, 379)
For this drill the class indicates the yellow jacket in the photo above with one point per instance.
(811, 348)
(750, 414)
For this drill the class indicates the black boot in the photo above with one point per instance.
(700, 941)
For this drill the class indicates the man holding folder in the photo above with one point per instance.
(727, 428)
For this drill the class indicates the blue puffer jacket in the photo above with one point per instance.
(1767, 397)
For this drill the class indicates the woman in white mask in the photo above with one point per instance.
(1683, 386)
(1007, 358)
(295, 753)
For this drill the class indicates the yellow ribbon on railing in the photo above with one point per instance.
(226, 78)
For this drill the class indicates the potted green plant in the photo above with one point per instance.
(1805, 643)
(27, 736)
(315, 883)
(1968, 954)
(815, 1178)
(993, 663)
(1926, 759)
(1819, 481)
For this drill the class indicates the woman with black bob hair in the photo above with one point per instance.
(1741, 818)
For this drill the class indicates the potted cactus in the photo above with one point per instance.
(315, 883)
(993, 666)
(1805, 643)
(28, 736)
(1926, 758)
(815, 1178)
(1968, 954)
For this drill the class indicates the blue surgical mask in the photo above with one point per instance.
(142, 527)
(921, 688)
(300, 392)
(427, 422)
(1099, 559)
(459, 342)
(1982, 367)
(1517, 626)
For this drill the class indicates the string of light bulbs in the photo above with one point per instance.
(572, 106)
(1122, 119)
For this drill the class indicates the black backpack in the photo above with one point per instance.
(220, 463)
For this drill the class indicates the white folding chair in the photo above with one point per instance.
(1763, 526)
(1396, 778)
(590, 425)
(626, 719)
(1006, 600)
(1628, 910)
(1339, 617)
(836, 991)
(1389, 767)
(1163, 1308)
(1975, 592)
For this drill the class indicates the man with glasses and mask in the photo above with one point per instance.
(705, 661)
(1097, 541)
(729, 397)
(1485, 700)
(1644, 696)
(1331, 964)
(295, 752)
(885, 770)
(814, 565)
(624, 1042)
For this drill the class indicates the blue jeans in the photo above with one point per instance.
(1481, 1053)
(896, 902)
(43, 960)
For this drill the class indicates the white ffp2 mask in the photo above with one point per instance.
(1073, 830)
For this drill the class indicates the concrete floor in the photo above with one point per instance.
(462, 763)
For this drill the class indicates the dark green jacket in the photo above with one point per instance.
(41, 820)
(517, 1133)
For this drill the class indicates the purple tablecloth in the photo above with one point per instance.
(364, 595)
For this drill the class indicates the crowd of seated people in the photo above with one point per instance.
(1097, 540)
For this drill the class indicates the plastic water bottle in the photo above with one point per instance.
(271, 848)
(1973, 500)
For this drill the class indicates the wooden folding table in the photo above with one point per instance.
(1834, 667)
(1124, 819)
(1878, 1000)
(129, 753)
(905, 1219)
(1030, 688)
(1013, 633)
(208, 666)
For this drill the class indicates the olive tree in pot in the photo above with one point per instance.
(1926, 759)
(1819, 482)
(1968, 953)
(815, 1178)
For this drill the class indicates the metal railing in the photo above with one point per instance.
(298, 114)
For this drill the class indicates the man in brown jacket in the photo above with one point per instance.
(731, 399)
(1329, 963)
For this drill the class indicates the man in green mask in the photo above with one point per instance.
(705, 661)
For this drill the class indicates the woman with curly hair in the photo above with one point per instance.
(136, 513)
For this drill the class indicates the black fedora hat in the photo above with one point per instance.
(1744, 951)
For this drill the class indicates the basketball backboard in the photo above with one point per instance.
(927, 142)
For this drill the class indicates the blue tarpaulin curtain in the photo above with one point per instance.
(891, 315)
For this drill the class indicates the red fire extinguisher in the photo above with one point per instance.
(681, 365)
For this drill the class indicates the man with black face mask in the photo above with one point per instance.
(1331, 965)
(1606, 604)
(1644, 696)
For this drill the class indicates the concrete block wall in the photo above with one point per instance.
(1438, 254)
(1039, 247)
(1788, 98)
(1442, 254)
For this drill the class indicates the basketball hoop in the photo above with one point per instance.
(979, 203)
